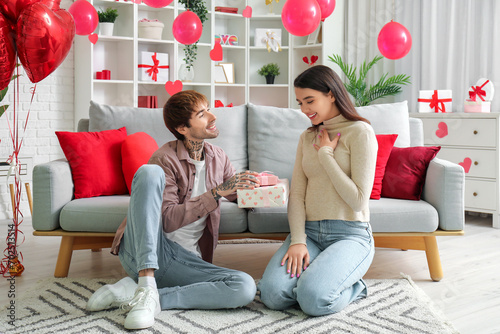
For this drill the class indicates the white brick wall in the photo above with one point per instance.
(52, 110)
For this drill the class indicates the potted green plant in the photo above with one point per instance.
(357, 87)
(107, 21)
(270, 71)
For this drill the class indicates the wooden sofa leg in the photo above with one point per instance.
(433, 259)
(64, 257)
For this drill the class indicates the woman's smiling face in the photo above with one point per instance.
(316, 105)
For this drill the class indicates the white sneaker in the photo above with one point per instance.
(112, 295)
(144, 308)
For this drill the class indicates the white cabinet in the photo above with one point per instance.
(120, 54)
(471, 140)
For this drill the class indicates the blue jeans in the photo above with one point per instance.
(340, 254)
(184, 280)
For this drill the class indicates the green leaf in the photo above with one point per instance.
(3, 109)
(3, 92)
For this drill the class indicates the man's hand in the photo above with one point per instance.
(243, 180)
(298, 259)
(324, 140)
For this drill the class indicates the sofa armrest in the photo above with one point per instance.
(444, 189)
(52, 190)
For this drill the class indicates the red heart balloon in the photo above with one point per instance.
(7, 53)
(44, 38)
(13, 8)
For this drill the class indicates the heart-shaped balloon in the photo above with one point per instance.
(44, 38)
(7, 53)
(13, 8)
(216, 54)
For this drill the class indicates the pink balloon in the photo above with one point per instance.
(394, 41)
(187, 28)
(301, 17)
(157, 3)
(327, 7)
(85, 17)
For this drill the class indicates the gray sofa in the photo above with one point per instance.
(258, 138)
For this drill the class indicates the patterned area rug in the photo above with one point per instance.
(393, 306)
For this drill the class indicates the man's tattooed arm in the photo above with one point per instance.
(238, 181)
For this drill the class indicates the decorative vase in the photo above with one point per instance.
(270, 79)
(186, 73)
(106, 28)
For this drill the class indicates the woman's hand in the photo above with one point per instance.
(324, 140)
(298, 259)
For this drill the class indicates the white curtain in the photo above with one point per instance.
(455, 43)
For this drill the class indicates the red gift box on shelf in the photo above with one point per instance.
(434, 101)
(103, 75)
(148, 101)
(153, 67)
(267, 179)
(264, 197)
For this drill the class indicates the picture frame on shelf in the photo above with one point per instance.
(228, 71)
(313, 37)
(219, 75)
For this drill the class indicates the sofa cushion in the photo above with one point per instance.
(268, 220)
(389, 118)
(96, 214)
(95, 160)
(273, 135)
(104, 117)
(397, 215)
(232, 125)
(385, 144)
(406, 170)
(232, 219)
(136, 151)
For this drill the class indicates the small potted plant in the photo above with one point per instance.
(106, 21)
(270, 71)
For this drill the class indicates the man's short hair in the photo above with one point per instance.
(178, 109)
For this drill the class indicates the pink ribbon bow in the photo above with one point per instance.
(436, 103)
(153, 69)
(478, 91)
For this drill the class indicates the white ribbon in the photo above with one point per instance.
(271, 42)
(13, 170)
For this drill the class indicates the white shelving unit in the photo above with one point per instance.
(120, 54)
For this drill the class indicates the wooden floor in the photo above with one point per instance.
(468, 295)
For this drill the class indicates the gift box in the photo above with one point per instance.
(477, 106)
(264, 197)
(148, 101)
(269, 38)
(482, 91)
(434, 101)
(267, 179)
(153, 67)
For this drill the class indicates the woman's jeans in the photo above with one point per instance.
(184, 280)
(340, 254)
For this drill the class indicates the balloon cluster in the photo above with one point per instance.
(39, 31)
(302, 17)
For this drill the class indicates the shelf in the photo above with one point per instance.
(109, 82)
(270, 86)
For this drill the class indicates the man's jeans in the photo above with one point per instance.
(341, 253)
(184, 280)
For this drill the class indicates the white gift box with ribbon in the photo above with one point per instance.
(264, 197)
(269, 38)
(482, 91)
(153, 67)
(434, 100)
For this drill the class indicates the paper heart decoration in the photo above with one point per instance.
(44, 38)
(314, 59)
(93, 38)
(216, 54)
(173, 87)
(7, 53)
(442, 130)
(247, 12)
(466, 164)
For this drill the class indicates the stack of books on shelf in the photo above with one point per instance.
(232, 10)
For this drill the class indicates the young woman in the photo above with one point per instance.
(330, 247)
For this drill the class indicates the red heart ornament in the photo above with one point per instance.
(216, 54)
(173, 87)
(247, 12)
(93, 38)
(44, 38)
(442, 130)
(7, 53)
(314, 59)
(466, 164)
(305, 60)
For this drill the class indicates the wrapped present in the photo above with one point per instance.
(270, 38)
(264, 197)
(267, 179)
(434, 101)
(153, 67)
(477, 106)
(482, 91)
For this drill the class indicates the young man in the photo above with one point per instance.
(166, 243)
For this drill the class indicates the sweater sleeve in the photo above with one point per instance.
(296, 202)
(356, 189)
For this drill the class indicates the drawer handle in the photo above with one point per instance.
(475, 132)
(476, 163)
(475, 194)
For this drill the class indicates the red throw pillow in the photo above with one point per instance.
(405, 171)
(136, 151)
(385, 144)
(95, 160)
